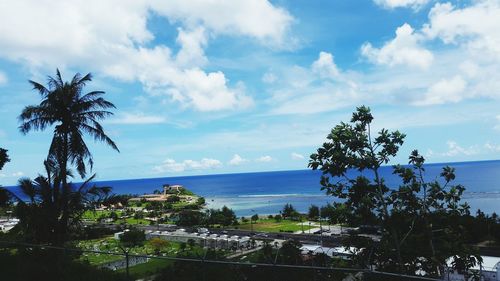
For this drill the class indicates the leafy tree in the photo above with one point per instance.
(408, 215)
(224, 217)
(313, 213)
(42, 220)
(158, 244)
(289, 211)
(132, 238)
(200, 201)
(73, 114)
(4, 157)
(173, 198)
(190, 218)
(4, 195)
(290, 252)
(278, 218)
(255, 217)
(113, 216)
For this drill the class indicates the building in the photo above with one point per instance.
(214, 241)
(169, 189)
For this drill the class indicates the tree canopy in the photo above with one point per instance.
(414, 218)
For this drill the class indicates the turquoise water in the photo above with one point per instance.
(267, 192)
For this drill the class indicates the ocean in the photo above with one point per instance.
(266, 192)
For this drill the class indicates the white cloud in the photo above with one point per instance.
(444, 91)
(192, 45)
(17, 174)
(120, 46)
(237, 160)
(297, 156)
(325, 66)
(322, 87)
(137, 118)
(492, 147)
(3, 78)
(391, 4)
(257, 18)
(2, 175)
(455, 150)
(170, 165)
(265, 158)
(404, 49)
(474, 26)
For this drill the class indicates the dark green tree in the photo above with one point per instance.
(132, 238)
(313, 213)
(41, 216)
(290, 252)
(73, 114)
(255, 217)
(407, 215)
(4, 195)
(289, 211)
(4, 157)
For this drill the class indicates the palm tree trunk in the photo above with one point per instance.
(63, 203)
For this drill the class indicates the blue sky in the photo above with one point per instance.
(240, 86)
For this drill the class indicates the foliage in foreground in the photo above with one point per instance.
(415, 219)
(48, 265)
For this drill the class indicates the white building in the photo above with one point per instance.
(202, 239)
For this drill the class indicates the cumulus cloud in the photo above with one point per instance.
(121, 46)
(404, 49)
(455, 149)
(474, 26)
(391, 4)
(258, 19)
(136, 119)
(265, 158)
(318, 88)
(170, 165)
(325, 66)
(297, 156)
(444, 91)
(492, 147)
(237, 160)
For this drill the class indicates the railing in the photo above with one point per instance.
(183, 268)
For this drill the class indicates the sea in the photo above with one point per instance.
(266, 193)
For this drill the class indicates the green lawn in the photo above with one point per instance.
(271, 225)
(148, 268)
(94, 215)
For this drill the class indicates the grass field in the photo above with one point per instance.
(271, 225)
(147, 269)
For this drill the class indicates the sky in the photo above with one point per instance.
(225, 86)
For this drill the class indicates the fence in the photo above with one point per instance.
(186, 269)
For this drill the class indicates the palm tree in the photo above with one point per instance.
(41, 219)
(74, 114)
